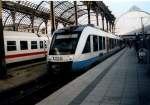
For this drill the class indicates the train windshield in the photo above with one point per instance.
(64, 44)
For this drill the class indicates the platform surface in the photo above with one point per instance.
(119, 80)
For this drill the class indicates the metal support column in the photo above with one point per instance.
(114, 28)
(75, 10)
(88, 8)
(110, 26)
(3, 70)
(13, 19)
(46, 26)
(142, 30)
(103, 22)
(32, 23)
(107, 24)
(64, 24)
(97, 22)
(56, 24)
(52, 17)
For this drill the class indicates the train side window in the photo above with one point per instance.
(23, 45)
(45, 43)
(109, 43)
(11, 46)
(33, 44)
(113, 43)
(100, 43)
(103, 42)
(41, 45)
(87, 47)
(95, 43)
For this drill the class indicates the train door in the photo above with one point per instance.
(95, 43)
(91, 42)
(88, 48)
(107, 44)
(103, 42)
(45, 48)
(100, 43)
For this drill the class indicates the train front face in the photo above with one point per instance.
(62, 50)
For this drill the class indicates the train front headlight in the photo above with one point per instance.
(70, 58)
(49, 59)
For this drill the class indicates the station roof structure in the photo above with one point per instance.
(64, 12)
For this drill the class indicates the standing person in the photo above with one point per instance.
(128, 43)
(136, 45)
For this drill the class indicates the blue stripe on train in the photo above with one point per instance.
(81, 65)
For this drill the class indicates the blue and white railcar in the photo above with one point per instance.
(76, 48)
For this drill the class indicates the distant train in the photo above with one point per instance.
(23, 47)
(77, 47)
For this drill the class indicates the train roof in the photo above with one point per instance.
(21, 34)
(70, 29)
(82, 27)
(98, 30)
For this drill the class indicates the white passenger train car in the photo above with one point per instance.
(24, 46)
(77, 47)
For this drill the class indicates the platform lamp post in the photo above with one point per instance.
(3, 70)
(142, 25)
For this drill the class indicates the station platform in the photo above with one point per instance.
(21, 75)
(118, 80)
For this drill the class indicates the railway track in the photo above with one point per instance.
(33, 92)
